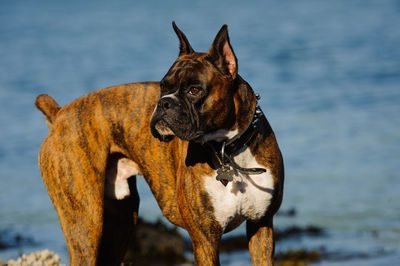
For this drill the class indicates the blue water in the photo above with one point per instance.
(328, 74)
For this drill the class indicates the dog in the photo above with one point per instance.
(199, 139)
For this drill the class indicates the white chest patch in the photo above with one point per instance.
(246, 197)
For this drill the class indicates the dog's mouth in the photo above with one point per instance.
(166, 130)
(163, 129)
(166, 134)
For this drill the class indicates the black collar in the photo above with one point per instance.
(222, 152)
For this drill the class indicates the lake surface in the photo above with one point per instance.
(329, 79)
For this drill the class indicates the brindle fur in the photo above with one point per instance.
(89, 135)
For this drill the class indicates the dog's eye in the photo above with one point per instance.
(194, 90)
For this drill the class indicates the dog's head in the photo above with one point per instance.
(197, 92)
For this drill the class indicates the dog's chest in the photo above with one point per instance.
(246, 197)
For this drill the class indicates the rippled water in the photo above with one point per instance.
(328, 74)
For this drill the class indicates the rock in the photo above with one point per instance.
(39, 258)
(155, 243)
(296, 232)
(10, 239)
(297, 257)
(233, 243)
(289, 213)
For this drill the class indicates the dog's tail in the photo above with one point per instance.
(49, 107)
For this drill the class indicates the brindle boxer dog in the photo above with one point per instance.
(198, 138)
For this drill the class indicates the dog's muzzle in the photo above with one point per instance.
(159, 127)
(171, 118)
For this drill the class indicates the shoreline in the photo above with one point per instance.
(163, 244)
(157, 243)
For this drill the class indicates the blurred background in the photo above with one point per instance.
(328, 73)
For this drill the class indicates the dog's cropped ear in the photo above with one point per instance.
(184, 45)
(221, 54)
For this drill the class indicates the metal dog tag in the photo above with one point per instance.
(225, 173)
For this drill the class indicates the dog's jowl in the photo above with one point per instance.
(198, 138)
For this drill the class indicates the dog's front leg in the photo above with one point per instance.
(261, 241)
(204, 231)
(120, 217)
(205, 250)
(205, 235)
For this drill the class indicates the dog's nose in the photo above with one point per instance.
(166, 103)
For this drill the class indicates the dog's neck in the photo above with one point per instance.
(224, 148)
(245, 102)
